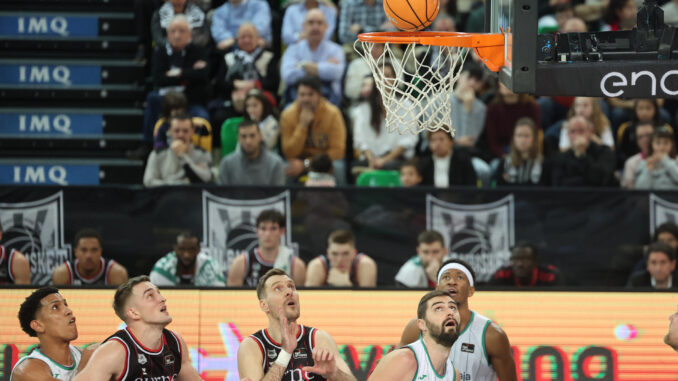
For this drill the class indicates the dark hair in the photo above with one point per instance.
(449, 135)
(560, 8)
(173, 100)
(86, 233)
(666, 227)
(663, 132)
(268, 108)
(610, 15)
(341, 237)
(644, 124)
(123, 293)
(247, 123)
(181, 117)
(187, 234)
(29, 308)
(526, 245)
(655, 118)
(311, 81)
(413, 162)
(515, 156)
(430, 236)
(321, 163)
(376, 104)
(475, 72)
(271, 215)
(261, 286)
(461, 262)
(662, 248)
(423, 302)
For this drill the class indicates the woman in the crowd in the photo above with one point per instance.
(660, 169)
(259, 108)
(590, 109)
(523, 164)
(644, 111)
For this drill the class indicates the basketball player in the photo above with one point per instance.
(342, 266)
(671, 337)
(45, 314)
(482, 352)
(286, 350)
(247, 268)
(144, 350)
(429, 357)
(14, 266)
(89, 267)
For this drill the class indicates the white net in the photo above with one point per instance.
(417, 91)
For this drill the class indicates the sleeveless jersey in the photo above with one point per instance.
(302, 356)
(256, 266)
(425, 369)
(144, 364)
(353, 272)
(469, 354)
(101, 278)
(6, 260)
(60, 372)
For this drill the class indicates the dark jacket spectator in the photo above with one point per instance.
(660, 268)
(165, 14)
(185, 68)
(459, 168)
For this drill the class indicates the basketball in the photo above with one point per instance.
(411, 15)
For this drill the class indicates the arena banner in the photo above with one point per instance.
(563, 336)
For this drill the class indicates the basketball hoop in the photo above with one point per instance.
(418, 97)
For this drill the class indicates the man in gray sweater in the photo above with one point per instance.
(251, 163)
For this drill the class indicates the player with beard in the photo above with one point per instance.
(428, 357)
(45, 314)
(286, 350)
(482, 352)
(144, 350)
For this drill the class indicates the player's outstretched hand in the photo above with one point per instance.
(289, 333)
(325, 363)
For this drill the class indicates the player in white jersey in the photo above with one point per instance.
(429, 357)
(482, 352)
(45, 314)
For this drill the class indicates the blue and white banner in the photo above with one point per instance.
(50, 124)
(37, 74)
(49, 174)
(44, 25)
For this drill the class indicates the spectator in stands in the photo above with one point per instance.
(195, 16)
(643, 134)
(590, 109)
(378, 148)
(182, 163)
(187, 265)
(355, 87)
(585, 164)
(468, 111)
(320, 172)
(248, 66)
(644, 111)
(228, 18)
(293, 21)
(342, 266)
(667, 233)
(89, 268)
(659, 273)
(361, 16)
(314, 56)
(620, 15)
(525, 270)
(421, 271)
(248, 267)
(175, 103)
(14, 266)
(660, 169)
(502, 115)
(523, 164)
(312, 125)
(409, 173)
(445, 166)
(251, 163)
(671, 337)
(258, 108)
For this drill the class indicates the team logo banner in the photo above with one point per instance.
(481, 235)
(661, 211)
(229, 225)
(36, 229)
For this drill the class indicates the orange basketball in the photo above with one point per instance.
(411, 15)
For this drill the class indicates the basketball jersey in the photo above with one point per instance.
(256, 266)
(353, 272)
(58, 371)
(425, 369)
(144, 364)
(302, 356)
(469, 354)
(101, 278)
(6, 259)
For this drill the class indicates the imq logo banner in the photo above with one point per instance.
(229, 226)
(36, 229)
(480, 234)
(661, 211)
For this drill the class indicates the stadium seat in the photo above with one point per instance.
(229, 135)
(379, 178)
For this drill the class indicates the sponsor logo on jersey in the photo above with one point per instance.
(271, 354)
(300, 354)
(169, 359)
(468, 347)
(142, 359)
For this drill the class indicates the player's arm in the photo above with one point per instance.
(299, 271)
(410, 334)
(60, 275)
(250, 363)
(118, 274)
(85, 355)
(400, 364)
(315, 273)
(107, 362)
(327, 360)
(499, 349)
(21, 269)
(188, 372)
(236, 274)
(367, 272)
(32, 370)
(457, 375)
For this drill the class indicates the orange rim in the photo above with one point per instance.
(488, 46)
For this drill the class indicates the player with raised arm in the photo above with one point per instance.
(144, 350)
(482, 352)
(429, 357)
(286, 350)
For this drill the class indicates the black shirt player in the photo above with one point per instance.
(144, 350)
